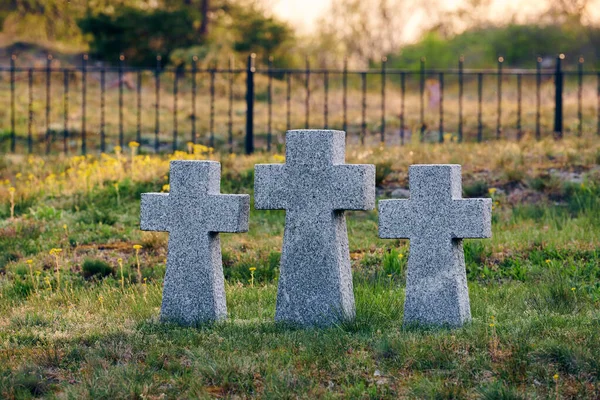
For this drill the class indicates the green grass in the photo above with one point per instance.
(537, 281)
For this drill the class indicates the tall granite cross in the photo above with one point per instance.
(436, 219)
(314, 186)
(194, 212)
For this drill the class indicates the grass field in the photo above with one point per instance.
(79, 297)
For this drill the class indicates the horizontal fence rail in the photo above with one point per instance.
(92, 108)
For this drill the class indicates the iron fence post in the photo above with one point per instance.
(194, 90)
(83, 103)
(538, 97)
(307, 88)
(230, 108)
(422, 99)
(13, 134)
(441, 133)
(579, 96)
(345, 96)
(383, 79)
(269, 102)
(250, 70)
(102, 112)
(499, 111)
(461, 61)
(479, 107)
(157, 104)
(558, 98)
(120, 72)
(30, 119)
(48, 104)
(65, 110)
(212, 105)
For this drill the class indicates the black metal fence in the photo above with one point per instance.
(287, 100)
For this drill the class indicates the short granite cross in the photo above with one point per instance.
(193, 213)
(435, 219)
(314, 186)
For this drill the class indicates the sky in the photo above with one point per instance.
(303, 14)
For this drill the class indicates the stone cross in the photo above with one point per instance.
(194, 212)
(314, 186)
(436, 219)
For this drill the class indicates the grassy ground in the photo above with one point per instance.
(80, 321)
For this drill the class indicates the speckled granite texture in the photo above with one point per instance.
(435, 219)
(314, 186)
(193, 213)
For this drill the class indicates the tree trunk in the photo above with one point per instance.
(204, 23)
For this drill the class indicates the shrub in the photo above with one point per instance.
(96, 268)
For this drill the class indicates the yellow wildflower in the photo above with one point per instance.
(137, 246)
(555, 377)
(548, 261)
(30, 261)
(134, 144)
(492, 191)
(252, 269)
(279, 158)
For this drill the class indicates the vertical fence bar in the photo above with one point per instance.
(83, 103)
(383, 82)
(441, 133)
(30, 119)
(579, 95)
(250, 70)
(139, 107)
(326, 99)
(230, 110)
(402, 96)
(212, 106)
(558, 98)
(13, 134)
(479, 107)
(363, 131)
(120, 72)
(345, 96)
(175, 106)
(269, 102)
(598, 104)
(102, 113)
(288, 101)
(48, 104)
(422, 100)
(499, 110)
(519, 101)
(307, 89)
(538, 97)
(157, 104)
(65, 111)
(461, 62)
(194, 93)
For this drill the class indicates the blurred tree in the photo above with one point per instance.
(367, 30)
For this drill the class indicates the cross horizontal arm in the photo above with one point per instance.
(270, 191)
(396, 219)
(354, 187)
(472, 218)
(229, 213)
(155, 212)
